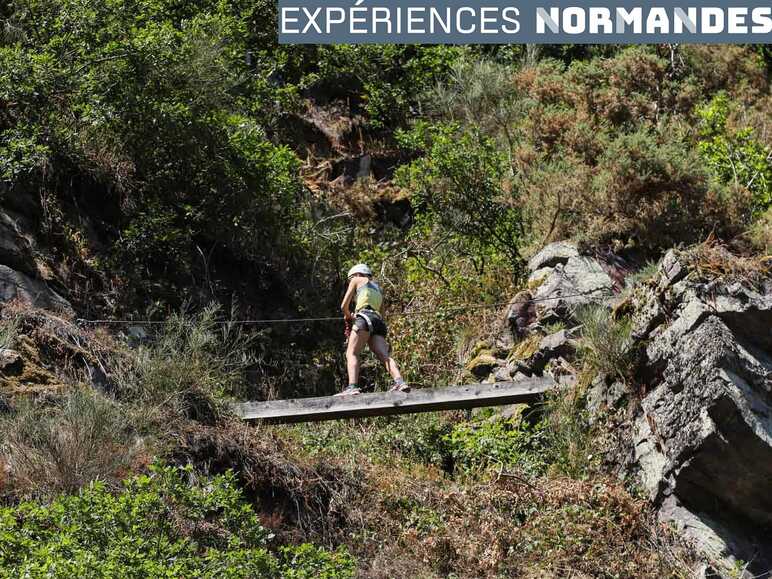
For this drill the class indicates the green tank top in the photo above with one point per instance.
(369, 295)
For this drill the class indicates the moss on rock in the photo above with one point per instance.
(526, 348)
(482, 365)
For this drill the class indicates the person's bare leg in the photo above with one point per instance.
(356, 343)
(380, 348)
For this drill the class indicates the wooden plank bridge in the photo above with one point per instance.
(386, 403)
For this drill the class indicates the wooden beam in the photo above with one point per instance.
(386, 403)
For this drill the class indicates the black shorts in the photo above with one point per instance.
(376, 325)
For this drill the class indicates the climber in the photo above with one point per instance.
(366, 328)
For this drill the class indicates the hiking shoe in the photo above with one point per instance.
(349, 391)
(400, 387)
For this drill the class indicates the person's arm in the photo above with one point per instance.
(346, 305)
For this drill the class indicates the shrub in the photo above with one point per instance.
(604, 150)
(165, 524)
(484, 94)
(309, 562)
(9, 332)
(493, 442)
(713, 261)
(649, 185)
(65, 445)
(388, 83)
(460, 185)
(191, 364)
(459, 447)
(569, 440)
(761, 232)
(645, 186)
(734, 153)
(174, 155)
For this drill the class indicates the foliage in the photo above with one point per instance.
(387, 82)
(462, 448)
(498, 443)
(606, 344)
(714, 261)
(9, 332)
(162, 140)
(309, 562)
(735, 153)
(148, 109)
(646, 272)
(513, 526)
(483, 93)
(419, 438)
(63, 446)
(192, 363)
(460, 185)
(761, 232)
(603, 148)
(165, 524)
(569, 444)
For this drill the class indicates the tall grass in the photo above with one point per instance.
(606, 345)
(54, 448)
(9, 332)
(569, 444)
(189, 366)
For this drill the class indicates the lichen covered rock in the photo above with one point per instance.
(482, 365)
(703, 437)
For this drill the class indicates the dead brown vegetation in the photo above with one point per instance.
(713, 260)
(300, 499)
(512, 527)
(60, 445)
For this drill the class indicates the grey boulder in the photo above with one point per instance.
(15, 285)
(580, 281)
(552, 255)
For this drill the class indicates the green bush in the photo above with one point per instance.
(388, 82)
(309, 562)
(761, 232)
(604, 149)
(461, 185)
(165, 524)
(458, 447)
(493, 442)
(734, 153)
(483, 93)
(146, 116)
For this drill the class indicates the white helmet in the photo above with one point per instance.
(360, 268)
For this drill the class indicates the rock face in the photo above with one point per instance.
(703, 439)
(15, 249)
(552, 255)
(16, 285)
(564, 280)
(694, 429)
(18, 271)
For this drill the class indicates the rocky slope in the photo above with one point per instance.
(692, 425)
